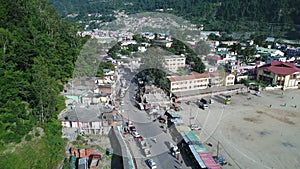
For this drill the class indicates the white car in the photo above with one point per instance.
(195, 127)
(151, 163)
(136, 134)
(122, 103)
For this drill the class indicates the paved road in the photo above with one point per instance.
(160, 151)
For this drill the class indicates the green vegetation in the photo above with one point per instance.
(37, 50)
(104, 65)
(273, 17)
(178, 48)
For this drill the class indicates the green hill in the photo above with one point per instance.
(37, 50)
(270, 17)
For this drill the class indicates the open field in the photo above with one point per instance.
(254, 131)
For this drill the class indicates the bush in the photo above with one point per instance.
(37, 134)
(28, 137)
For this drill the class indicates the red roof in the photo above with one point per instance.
(209, 161)
(281, 68)
(193, 75)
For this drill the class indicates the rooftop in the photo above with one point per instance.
(281, 68)
(192, 76)
(173, 56)
(85, 113)
(212, 90)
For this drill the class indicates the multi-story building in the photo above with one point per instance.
(221, 79)
(174, 62)
(193, 81)
(284, 74)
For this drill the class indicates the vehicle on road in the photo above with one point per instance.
(206, 100)
(195, 127)
(174, 150)
(226, 98)
(82, 163)
(151, 163)
(94, 161)
(136, 134)
(203, 106)
(132, 129)
(122, 103)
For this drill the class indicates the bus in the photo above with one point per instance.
(227, 99)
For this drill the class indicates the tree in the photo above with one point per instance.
(202, 48)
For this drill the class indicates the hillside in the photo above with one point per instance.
(270, 17)
(37, 50)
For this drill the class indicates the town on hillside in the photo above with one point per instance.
(186, 108)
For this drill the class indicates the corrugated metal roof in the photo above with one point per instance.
(183, 128)
(209, 161)
(197, 156)
(191, 137)
(200, 149)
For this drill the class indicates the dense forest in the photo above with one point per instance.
(37, 50)
(273, 17)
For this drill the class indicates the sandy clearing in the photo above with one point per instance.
(252, 133)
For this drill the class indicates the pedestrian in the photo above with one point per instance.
(292, 97)
(181, 162)
(270, 105)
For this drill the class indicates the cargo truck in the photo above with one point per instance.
(94, 162)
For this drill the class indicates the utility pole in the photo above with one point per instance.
(218, 146)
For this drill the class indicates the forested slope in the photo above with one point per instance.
(224, 15)
(37, 54)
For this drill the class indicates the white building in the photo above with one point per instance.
(174, 62)
(190, 82)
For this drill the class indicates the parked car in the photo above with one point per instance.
(136, 134)
(195, 127)
(151, 163)
(132, 129)
(122, 103)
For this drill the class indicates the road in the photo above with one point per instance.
(160, 151)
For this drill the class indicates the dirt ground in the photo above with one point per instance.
(254, 131)
(99, 143)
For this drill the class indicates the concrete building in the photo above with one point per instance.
(271, 52)
(90, 118)
(283, 74)
(193, 81)
(221, 79)
(174, 62)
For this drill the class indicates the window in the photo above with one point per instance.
(267, 72)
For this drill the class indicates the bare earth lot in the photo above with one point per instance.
(254, 131)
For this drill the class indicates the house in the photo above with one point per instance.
(89, 118)
(229, 79)
(214, 60)
(148, 35)
(90, 98)
(283, 74)
(271, 52)
(220, 78)
(174, 62)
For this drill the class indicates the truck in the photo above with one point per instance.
(82, 163)
(141, 106)
(72, 162)
(206, 100)
(147, 152)
(143, 144)
(94, 161)
(174, 150)
(203, 106)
